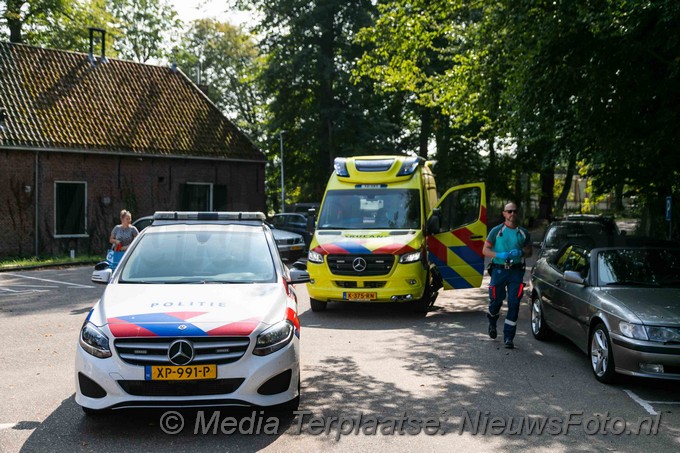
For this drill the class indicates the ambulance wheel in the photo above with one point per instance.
(317, 305)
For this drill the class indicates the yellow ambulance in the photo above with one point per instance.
(382, 234)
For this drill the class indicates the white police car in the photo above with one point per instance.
(200, 312)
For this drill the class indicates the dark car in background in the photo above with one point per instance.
(618, 303)
(609, 223)
(582, 232)
(295, 223)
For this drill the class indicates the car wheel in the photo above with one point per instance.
(317, 305)
(539, 328)
(601, 354)
(426, 302)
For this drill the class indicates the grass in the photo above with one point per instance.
(18, 262)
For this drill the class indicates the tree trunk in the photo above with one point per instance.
(562, 199)
(545, 203)
(425, 131)
(14, 22)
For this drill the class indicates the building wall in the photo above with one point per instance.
(141, 185)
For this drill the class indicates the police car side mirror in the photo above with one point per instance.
(298, 276)
(101, 276)
(433, 223)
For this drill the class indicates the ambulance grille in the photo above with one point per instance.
(375, 264)
(154, 351)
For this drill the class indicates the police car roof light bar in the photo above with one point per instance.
(216, 216)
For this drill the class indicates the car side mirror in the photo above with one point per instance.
(433, 223)
(101, 276)
(574, 277)
(298, 276)
(311, 219)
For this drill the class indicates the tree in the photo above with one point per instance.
(69, 30)
(310, 52)
(146, 29)
(228, 62)
(23, 16)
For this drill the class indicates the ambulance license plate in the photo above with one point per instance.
(359, 296)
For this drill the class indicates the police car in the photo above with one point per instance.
(200, 312)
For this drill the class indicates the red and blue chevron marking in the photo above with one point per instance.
(355, 248)
(167, 325)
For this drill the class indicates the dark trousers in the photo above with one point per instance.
(505, 282)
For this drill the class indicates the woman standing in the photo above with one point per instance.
(123, 234)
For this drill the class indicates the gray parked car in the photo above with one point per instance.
(619, 304)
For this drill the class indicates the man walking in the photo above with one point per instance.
(506, 244)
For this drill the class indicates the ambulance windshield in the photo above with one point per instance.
(370, 209)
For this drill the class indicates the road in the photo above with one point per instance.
(357, 360)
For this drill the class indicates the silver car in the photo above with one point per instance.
(619, 304)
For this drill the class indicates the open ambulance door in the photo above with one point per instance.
(456, 250)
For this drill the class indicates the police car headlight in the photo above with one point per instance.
(274, 338)
(410, 257)
(315, 257)
(94, 341)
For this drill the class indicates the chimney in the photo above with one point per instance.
(102, 32)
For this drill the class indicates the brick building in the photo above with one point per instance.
(82, 138)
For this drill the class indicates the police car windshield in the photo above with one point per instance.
(200, 254)
(370, 208)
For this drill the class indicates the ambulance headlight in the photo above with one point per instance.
(410, 257)
(315, 257)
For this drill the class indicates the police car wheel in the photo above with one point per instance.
(317, 305)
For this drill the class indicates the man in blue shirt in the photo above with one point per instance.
(506, 244)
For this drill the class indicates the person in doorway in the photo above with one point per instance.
(507, 244)
(123, 234)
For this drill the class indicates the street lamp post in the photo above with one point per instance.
(283, 190)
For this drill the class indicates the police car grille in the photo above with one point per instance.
(154, 351)
(375, 264)
(181, 388)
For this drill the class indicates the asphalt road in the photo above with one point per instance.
(357, 360)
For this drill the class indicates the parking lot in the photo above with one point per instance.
(358, 361)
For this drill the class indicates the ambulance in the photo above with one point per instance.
(383, 235)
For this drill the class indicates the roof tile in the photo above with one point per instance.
(58, 99)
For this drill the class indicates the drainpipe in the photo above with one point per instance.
(35, 219)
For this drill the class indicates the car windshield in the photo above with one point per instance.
(639, 266)
(573, 233)
(200, 254)
(371, 209)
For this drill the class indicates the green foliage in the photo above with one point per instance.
(26, 20)
(228, 61)
(310, 53)
(145, 29)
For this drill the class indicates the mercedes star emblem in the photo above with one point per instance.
(181, 352)
(359, 264)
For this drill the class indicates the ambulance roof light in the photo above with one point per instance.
(409, 166)
(340, 165)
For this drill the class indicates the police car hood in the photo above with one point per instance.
(365, 242)
(189, 309)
